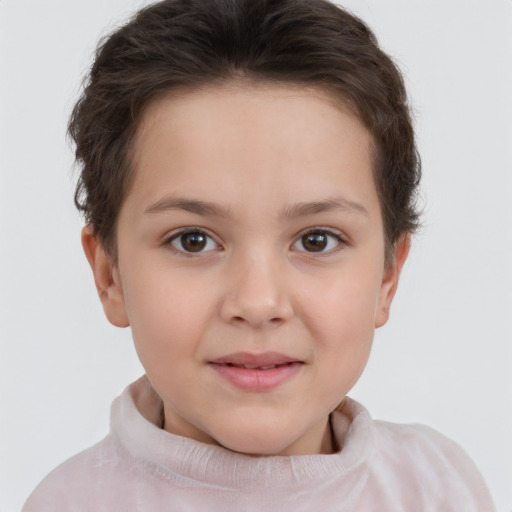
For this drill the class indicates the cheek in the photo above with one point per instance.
(340, 317)
(343, 308)
(162, 319)
(346, 321)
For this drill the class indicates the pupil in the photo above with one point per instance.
(193, 242)
(314, 242)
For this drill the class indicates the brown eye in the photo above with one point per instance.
(314, 242)
(320, 241)
(193, 241)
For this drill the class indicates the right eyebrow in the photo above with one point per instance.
(203, 208)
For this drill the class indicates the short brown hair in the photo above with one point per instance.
(191, 43)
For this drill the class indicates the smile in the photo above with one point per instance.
(256, 372)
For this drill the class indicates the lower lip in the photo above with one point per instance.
(256, 379)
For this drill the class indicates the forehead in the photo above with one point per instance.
(273, 143)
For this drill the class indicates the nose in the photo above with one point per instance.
(257, 294)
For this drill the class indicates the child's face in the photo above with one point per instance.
(252, 235)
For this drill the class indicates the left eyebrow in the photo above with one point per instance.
(203, 208)
(329, 205)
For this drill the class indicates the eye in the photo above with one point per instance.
(319, 241)
(193, 241)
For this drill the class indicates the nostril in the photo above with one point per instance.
(255, 310)
(241, 320)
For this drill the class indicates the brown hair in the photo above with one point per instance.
(190, 43)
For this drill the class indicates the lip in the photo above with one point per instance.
(256, 372)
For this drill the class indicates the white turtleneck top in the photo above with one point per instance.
(381, 467)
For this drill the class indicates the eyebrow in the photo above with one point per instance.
(205, 208)
(329, 205)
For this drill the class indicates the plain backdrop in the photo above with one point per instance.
(444, 358)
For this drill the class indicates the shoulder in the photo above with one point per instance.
(74, 484)
(437, 467)
(422, 445)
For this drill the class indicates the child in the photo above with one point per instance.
(248, 180)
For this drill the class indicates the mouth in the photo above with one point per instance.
(256, 372)
(258, 367)
(251, 361)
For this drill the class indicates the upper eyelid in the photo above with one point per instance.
(175, 233)
(320, 228)
(330, 231)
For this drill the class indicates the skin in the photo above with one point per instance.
(275, 162)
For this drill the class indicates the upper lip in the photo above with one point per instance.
(250, 359)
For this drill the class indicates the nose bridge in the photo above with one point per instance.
(257, 293)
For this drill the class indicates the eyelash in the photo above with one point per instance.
(178, 234)
(199, 231)
(324, 231)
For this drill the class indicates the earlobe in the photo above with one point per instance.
(106, 278)
(391, 278)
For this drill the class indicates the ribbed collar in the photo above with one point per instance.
(135, 417)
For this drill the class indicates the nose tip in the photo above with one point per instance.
(258, 317)
(257, 298)
(254, 315)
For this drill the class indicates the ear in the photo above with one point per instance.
(390, 279)
(106, 277)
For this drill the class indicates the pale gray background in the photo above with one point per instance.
(444, 359)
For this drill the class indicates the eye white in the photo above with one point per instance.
(194, 242)
(317, 241)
